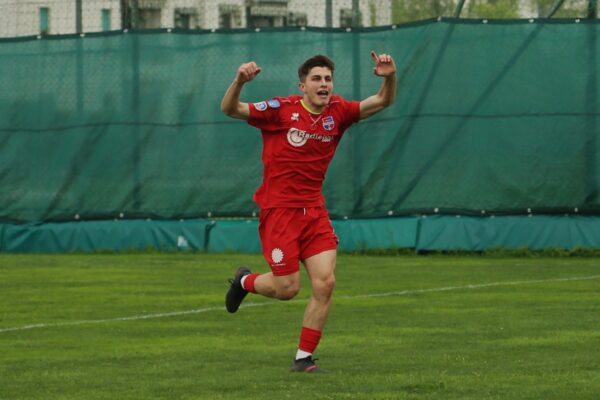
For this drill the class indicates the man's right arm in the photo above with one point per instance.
(231, 104)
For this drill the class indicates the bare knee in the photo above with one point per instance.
(288, 292)
(323, 287)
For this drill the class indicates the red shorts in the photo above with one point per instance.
(290, 235)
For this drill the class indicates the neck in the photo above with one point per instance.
(311, 108)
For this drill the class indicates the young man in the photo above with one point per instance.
(300, 136)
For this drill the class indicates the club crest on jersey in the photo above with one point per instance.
(328, 123)
(262, 106)
(274, 103)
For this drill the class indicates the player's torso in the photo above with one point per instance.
(302, 136)
(297, 148)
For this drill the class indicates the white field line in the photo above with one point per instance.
(248, 305)
(477, 286)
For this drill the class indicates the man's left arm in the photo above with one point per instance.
(386, 68)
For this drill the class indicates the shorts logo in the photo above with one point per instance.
(328, 123)
(262, 106)
(277, 255)
(274, 103)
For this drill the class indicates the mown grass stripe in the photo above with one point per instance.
(248, 305)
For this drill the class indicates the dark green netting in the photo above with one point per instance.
(497, 116)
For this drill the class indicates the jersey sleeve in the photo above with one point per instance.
(264, 115)
(350, 112)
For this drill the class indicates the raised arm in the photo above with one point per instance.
(386, 68)
(231, 104)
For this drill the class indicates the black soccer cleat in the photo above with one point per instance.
(305, 365)
(236, 292)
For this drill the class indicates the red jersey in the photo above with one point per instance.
(297, 148)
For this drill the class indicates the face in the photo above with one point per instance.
(317, 88)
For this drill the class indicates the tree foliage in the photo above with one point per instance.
(410, 10)
(414, 10)
(493, 9)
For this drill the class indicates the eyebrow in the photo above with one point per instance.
(320, 76)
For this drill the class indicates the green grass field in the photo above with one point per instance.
(153, 326)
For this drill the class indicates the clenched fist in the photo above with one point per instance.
(246, 72)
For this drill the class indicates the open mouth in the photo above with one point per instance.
(323, 93)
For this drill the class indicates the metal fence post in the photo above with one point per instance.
(459, 8)
(591, 157)
(355, 13)
(79, 74)
(328, 13)
(592, 9)
(78, 16)
(135, 14)
(555, 8)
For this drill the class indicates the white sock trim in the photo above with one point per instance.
(244, 280)
(302, 354)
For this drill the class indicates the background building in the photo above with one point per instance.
(60, 16)
(55, 17)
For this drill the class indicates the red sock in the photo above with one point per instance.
(249, 283)
(309, 339)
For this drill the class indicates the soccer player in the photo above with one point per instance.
(300, 135)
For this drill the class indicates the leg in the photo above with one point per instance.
(279, 230)
(318, 251)
(284, 287)
(321, 271)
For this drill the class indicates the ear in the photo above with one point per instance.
(301, 86)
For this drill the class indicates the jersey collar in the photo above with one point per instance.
(308, 109)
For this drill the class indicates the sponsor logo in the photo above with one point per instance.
(182, 242)
(274, 103)
(328, 123)
(298, 138)
(262, 106)
(277, 255)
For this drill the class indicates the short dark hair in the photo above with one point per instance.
(317, 61)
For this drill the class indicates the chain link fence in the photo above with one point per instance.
(56, 17)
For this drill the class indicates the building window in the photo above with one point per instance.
(44, 20)
(185, 18)
(267, 13)
(106, 19)
(297, 19)
(230, 16)
(150, 18)
(264, 21)
(182, 20)
(346, 18)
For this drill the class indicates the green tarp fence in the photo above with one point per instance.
(354, 235)
(110, 235)
(422, 233)
(496, 117)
